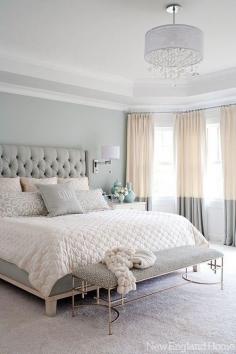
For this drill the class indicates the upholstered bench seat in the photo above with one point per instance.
(168, 260)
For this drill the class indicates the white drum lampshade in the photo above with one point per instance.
(110, 152)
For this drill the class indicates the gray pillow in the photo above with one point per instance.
(21, 204)
(60, 199)
(92, 200)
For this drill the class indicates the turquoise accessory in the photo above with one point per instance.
(116, 184)
(130, 197)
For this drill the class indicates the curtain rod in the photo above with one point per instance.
(188, 110)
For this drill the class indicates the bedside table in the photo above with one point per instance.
(130, 206)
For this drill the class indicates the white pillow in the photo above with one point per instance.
(80, 183)
(21, 204)
(29, 184)
(92, 200)
(10, 184)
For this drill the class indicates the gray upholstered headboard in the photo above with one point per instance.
(40, 162)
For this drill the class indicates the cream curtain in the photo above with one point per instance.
(140, 149)
(190, 140)
(228, 150)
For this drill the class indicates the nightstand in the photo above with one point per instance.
(130, 206)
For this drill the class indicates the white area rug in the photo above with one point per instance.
(188, 319)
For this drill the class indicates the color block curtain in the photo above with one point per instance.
(140, 150)
(228, 150)
(190, 140)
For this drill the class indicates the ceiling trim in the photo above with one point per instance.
(62, 97)
(78, 76)
(114, 92)
(180, 104)
(165, 104)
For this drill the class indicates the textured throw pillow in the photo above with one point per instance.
(80, 183)
(29, 184)
(21, 204)
(10, 184)
(60, 199)
(92, 200)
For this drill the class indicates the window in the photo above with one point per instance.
(163, 173)
(214, 179)
(164, 177)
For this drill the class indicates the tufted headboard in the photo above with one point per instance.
(40, 162)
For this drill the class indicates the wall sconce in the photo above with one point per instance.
(108, 153)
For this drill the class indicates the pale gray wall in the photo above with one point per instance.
(35, 121)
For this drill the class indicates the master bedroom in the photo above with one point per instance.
(117, 176)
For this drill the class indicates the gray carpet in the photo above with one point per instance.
(187, 319)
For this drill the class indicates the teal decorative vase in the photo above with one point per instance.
(116, 184)
(130, 197)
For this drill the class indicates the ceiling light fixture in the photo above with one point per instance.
(174, 50)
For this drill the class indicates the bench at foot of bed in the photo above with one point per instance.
(167, 261)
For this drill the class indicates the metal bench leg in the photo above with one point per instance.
(83, 290)
(222, 274)
(186, 272)
(98, 296)
(122, 300)
(109, 311)
(215, 266)
(73, 296)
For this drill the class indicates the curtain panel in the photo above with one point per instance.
(228, 151)
(190, 144)
(140, 152)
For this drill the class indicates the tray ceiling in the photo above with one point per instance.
(104, 40)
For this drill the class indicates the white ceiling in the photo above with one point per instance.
(105, 38)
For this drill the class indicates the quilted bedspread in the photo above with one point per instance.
(50, 248)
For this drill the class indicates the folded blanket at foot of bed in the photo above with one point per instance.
(120, 260)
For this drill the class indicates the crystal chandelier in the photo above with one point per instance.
(174, 50)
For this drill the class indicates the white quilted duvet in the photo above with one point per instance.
(49, 248)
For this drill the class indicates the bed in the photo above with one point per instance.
(38, 254)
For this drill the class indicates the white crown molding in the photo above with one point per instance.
(45, 70)
(59, 96)
(178, 104)
(84, 87)
(165, 104)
